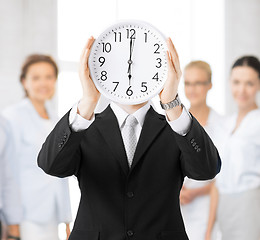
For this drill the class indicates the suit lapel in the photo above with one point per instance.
(109, 129)
(153, 125)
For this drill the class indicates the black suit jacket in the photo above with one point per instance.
(142, 202)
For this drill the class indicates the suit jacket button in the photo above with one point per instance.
(198, 150)
(194, 144)
(130, 194)
(192, 140)
(60, 145)
(130, 233)
(196, 147)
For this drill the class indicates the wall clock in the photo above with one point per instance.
(128, 62)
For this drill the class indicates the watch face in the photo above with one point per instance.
(128, 62)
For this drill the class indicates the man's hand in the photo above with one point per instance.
(91, 95)
(170, 88)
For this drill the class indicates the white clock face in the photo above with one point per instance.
(128, 62)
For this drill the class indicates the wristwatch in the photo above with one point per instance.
(174, 103)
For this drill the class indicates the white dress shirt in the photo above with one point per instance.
(181, 125)
(10, 202)
(241, 156)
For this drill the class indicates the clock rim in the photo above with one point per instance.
(91, 71)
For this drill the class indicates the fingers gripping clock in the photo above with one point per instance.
(128, 62)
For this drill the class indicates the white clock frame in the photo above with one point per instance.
(142, 63)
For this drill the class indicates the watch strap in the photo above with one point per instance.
(174, 103)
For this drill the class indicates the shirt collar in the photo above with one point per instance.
(121, 114)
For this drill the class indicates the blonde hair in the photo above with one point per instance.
(202, 65)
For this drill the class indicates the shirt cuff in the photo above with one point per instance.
(181, 125)
(77, 122)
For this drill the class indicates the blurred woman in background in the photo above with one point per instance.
(10, 202)
(194, 196)
(45, 199)
(238, 183)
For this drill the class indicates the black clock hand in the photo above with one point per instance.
(129, 73)
(129, 67)
(130, 60)
(131, 48)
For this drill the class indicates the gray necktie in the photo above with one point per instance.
(129, 137)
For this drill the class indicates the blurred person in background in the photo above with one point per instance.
(10, 204)
(195, 195)
(45, 199)
(237, 191)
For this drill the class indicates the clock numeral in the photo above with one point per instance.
(156, 77)
(158, 46)
(116, 85)
(103, 76)
(143, 85)
(159, 62)
(130, 33)
(129, 91)
(117, 35)
(106, 47)
(145, 37)
(101, 60)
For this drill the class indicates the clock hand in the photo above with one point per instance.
(129, 67)
(130, 60)
(129, 76)
(131, 48)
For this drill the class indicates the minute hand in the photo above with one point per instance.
(131, 47)
(130, 58)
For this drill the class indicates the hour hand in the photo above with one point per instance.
(129, 66)
(129, 73)
(129, 76)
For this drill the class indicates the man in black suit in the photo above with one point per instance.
(119, 202)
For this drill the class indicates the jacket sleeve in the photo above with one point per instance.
(60, 154)
(200, 159)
